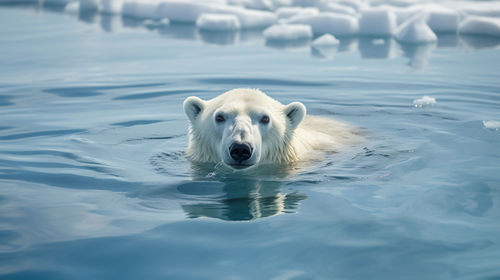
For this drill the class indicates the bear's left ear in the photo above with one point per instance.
(193, 106)
(295, 113)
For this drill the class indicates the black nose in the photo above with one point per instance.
(240, 152)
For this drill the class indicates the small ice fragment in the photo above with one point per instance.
(288, 32)
(218, 22)
(480, 26)
(492, 124)
(377, 22)
(424, 101)
(326, 40)
(415, 30)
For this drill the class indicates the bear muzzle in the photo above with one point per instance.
(240, 153)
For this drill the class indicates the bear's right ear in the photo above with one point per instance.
(193, 106)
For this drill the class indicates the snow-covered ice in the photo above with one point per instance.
(442, 19)
(189, 12)
(216, 22)
(337, 8)
(481, 26)
(327, 40)
(138, 9)
(408, 21)
(287, 12)
(415, 30)
(424, 101)
(288, 32)
(377, 22)
(336, 24)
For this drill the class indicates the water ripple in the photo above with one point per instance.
(155, 94)
(40, 133)
(93, 90)
(252, 82)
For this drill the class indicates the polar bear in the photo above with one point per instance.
(244, 128)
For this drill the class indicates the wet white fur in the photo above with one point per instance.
(290, 136)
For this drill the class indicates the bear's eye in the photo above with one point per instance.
(219, 118)
(264, 119)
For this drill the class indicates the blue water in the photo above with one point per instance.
(94, 183)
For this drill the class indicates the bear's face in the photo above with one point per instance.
(240, 128)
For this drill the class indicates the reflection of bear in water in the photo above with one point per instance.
(238, 199)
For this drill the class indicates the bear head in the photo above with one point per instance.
(242, 128)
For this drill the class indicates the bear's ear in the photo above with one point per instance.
(193, 106)
(295, 113)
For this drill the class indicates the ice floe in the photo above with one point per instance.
(216, 22)
(377, 22)
(481, 25)
(424, 101)
(287, 12)
(407, 21)
(415, 30)
(287, 32)
(336, 24)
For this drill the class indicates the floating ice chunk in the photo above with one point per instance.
(415, 30)
(327, 40)
(424, 101)
(336, 24)
(140, 9)
(253, 4)
(188, 12)
(442, 19)
(216, 22)
(111, 6)
(337, 8)
(183, 11)
(478, 8)
(480, 26)
(492, 124)
(288, 32)
(357, 5)
(287, 12)
(377, 22)
(402, 13)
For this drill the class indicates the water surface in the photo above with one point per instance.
(94, 182)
